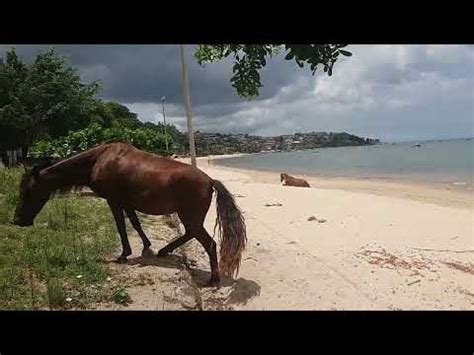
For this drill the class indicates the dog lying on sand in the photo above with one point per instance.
(292, 181)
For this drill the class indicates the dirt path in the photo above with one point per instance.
(154, 283)
(177, 281)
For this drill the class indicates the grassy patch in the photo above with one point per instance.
(120, 295)
(58, 262)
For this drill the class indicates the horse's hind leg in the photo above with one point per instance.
(210, 246)
(120, 223)
(137, 226)
(206, 241)
(174, 244)
(188, 235)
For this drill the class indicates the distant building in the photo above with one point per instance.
(217, 143)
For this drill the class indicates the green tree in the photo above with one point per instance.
(77, 141)
(13, 118)
(250, 59)
(178, 139)
(43, 99)
(110, 113)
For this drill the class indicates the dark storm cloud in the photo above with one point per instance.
(142, 73)
(387, 92)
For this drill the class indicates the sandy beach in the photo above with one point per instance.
(370, 245)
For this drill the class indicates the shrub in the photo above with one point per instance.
(77, 141)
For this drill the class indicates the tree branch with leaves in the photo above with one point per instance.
(250, 59)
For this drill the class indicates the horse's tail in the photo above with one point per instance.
(232, 231)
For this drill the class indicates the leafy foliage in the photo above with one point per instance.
(43, 99)
(77, 141)
(109, 114)
(45, 104)
(250, 59)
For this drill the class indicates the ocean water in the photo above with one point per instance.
(449, 161)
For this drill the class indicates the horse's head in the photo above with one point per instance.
(29, 163)
(34, 193)
(283, 176)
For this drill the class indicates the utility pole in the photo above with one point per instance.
(164, 122)
(187, 106)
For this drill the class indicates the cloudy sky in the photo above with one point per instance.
(390, 92)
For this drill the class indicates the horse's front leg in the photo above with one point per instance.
(147, 252)
(117, 211)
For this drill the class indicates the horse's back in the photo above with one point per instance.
(124, 160)
(148, 182)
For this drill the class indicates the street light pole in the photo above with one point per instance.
(164, 121)
(187, 106)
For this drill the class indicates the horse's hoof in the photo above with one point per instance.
(122, 259)
(147, 253)
(214, 283)
(161, 253)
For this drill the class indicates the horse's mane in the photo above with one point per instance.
(68, 163)
(86, 152)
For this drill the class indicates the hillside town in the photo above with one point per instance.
(218, 143)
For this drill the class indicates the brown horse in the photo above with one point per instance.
(132, 180)
(292, 181)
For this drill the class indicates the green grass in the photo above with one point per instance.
(120, 295)
(59, 262)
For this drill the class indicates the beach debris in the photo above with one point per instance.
(79, 276)
(69, 299)
(384, 259)
(319, 220)
(278, 204)
(464, 267)
(258, 244)
(446, 250)
(464, 291)
(414, 282)
(239, 195)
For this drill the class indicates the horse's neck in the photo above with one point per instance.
(74, 171)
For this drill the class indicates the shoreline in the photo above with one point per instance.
(346, 244)
(443, 194)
